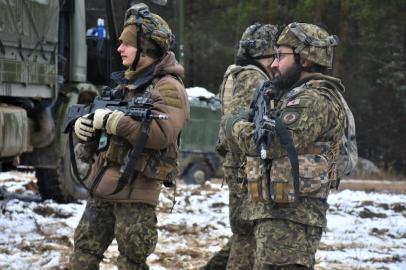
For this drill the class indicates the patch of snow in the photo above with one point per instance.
(365, 230)
(196, 92)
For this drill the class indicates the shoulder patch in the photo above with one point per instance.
(289, 117)
(170, 95)
(293, 102)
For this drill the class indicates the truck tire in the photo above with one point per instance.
(197, 174)
(60, 184)
(49, 186)
(70, 182)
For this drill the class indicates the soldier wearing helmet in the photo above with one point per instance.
(125, 210)
(254, 58)
(312, 110)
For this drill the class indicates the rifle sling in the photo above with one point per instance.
(133, 155)
(287, 143)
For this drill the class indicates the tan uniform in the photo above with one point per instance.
(129, 216)
(158, 161)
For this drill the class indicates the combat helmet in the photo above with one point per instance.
(258, 41)
(310, 41)
(149, 27)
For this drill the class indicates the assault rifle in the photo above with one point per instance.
(268, 126)
(262, 117)
(138, 108)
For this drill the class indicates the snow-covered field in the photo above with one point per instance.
(365, 230)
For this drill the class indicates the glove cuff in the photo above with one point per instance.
(112, 122)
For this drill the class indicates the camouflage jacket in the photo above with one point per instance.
(311, 115)
(235, 97)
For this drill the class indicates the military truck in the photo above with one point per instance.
(47, 63)
(198, 158)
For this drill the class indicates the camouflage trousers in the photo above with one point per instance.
(132, 224)
(238, 253)
(285, 245)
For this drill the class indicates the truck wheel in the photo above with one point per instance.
(69, 182)
(49, 186)
(197, 173)
(60, 184)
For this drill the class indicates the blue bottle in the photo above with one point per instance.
(101, 30)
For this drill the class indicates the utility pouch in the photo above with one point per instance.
(314, 181)
(161, 168)
(258, 180)
(282, 191)
(117, 150)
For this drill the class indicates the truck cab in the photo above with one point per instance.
(50, 59)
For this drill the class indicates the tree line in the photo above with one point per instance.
(370, 60)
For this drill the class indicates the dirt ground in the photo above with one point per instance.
(202, 211)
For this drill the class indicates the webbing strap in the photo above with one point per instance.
(287, 142)
(133, 155)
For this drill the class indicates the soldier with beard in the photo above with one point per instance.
(254, 57)
(310, 105)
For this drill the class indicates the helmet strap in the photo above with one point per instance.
(139, 48)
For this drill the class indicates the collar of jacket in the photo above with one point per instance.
(319, 76)
(145, 77)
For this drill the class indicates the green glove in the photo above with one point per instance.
(229, 121)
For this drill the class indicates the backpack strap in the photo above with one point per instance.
(227, 87)
(348, 144)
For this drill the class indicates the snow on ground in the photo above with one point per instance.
(365, 230)
(196, 92)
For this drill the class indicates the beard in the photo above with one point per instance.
(287, 80)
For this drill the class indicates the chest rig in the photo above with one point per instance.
(317, 163)
(226, 93)
(133, 160)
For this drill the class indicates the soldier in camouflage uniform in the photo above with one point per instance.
(254, 57)
(128, 214)
(287, 233)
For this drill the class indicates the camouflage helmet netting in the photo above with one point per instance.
(153, 26)
(258, 41)
(310, 41)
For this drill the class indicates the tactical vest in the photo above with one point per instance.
(226, 94)
(159, 165)
(227, 87)
(317, 164)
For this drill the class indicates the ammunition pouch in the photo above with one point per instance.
(117, 150)
(154, 164)
(276, 183)
(258, 179)
(161, 167)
